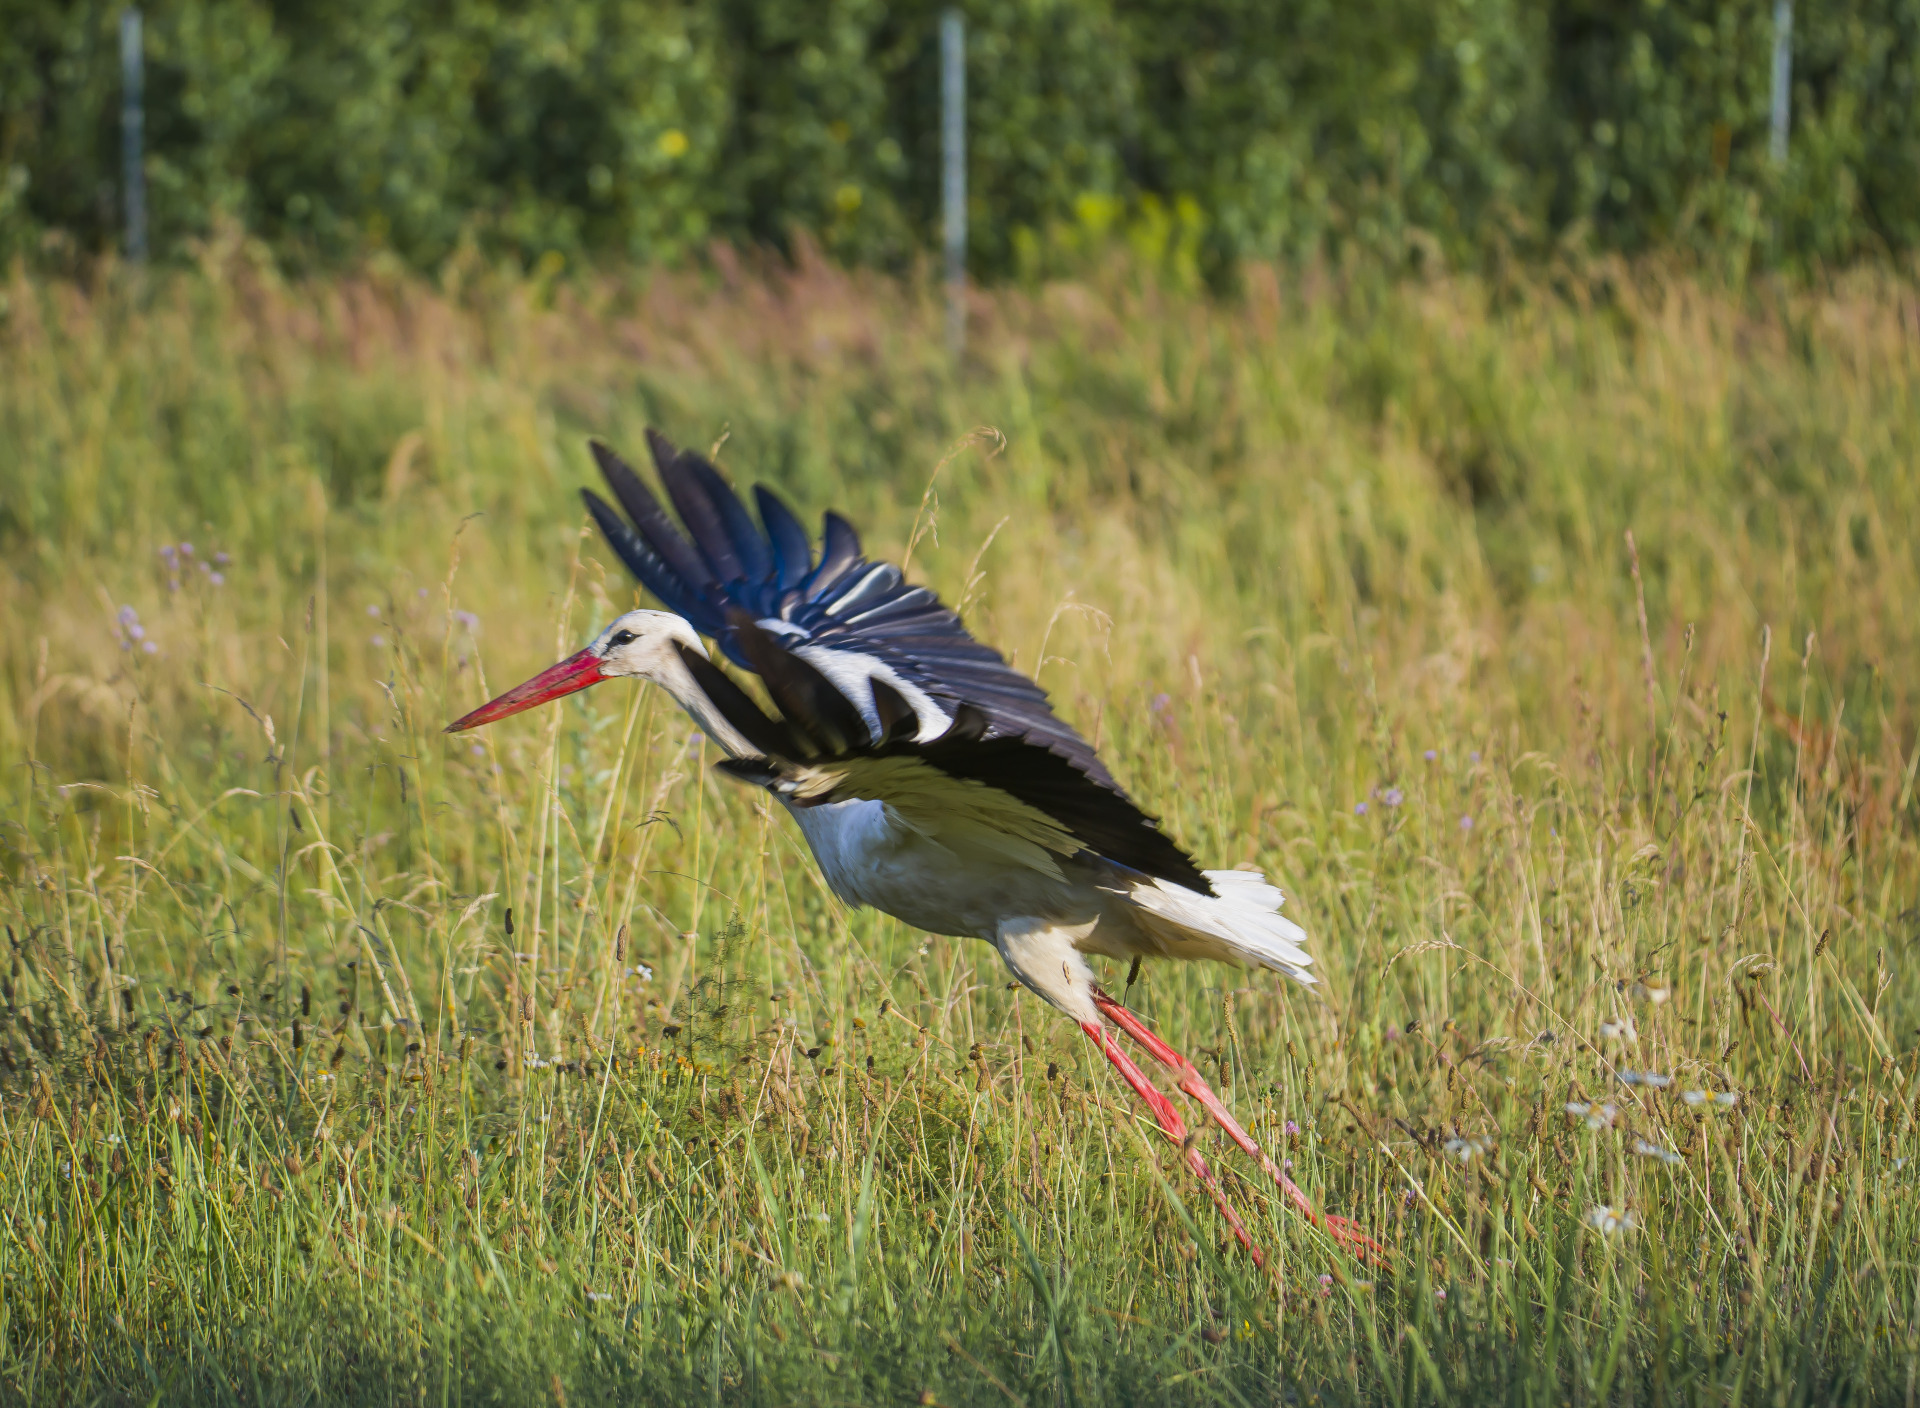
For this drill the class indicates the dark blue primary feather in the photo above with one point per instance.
(726, 563)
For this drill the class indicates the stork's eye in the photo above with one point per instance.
(619, 639)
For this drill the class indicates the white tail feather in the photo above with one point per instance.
(1239, 923)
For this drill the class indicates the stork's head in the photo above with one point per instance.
(641, 645)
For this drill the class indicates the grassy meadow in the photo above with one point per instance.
(1553, 642)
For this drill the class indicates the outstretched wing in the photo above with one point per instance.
(854, 621)
(1034, 800)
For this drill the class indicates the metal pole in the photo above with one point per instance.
(953, 166)
(132, 128)
(1782, 78)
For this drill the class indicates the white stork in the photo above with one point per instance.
(931, 779)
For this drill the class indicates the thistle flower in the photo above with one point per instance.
(1608, 1221)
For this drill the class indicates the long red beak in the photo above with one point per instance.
(574, 673)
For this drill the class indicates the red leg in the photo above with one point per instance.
(1343, 1230)
(1176, 1130)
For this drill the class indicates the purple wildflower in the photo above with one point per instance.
(373, 611)
(149, 647)
(219, 579)
(1359, 808)
(1429, 755)
(186, 549)
(220, 559)
(128, 615)
(1394, 797)
(1289, 1128)
(1466, 823)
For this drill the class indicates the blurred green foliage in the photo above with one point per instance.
(1205, 130)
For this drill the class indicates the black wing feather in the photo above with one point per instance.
(1102, 820)
(802, 693)
(656, 574)
(792, 553)
(705, 525)
(838, 601)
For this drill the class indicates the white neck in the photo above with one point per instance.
(677, 680)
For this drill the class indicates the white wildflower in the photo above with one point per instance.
(1465, 1149)
(1694, 1097)
(1608, 1220)
(1726, 1099)
(1619, 1029)
(1654, 1151)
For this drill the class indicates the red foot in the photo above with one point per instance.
(1343, 1230)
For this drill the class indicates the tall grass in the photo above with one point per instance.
(1553, 646)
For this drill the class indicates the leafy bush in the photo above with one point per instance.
(1222, 129)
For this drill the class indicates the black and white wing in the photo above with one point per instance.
(855, 622)
(1023, 798)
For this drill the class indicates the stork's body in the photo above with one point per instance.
(930, 780)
